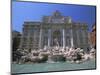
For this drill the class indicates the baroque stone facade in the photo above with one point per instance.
(93, 36)
(15, 40)
(54, 30)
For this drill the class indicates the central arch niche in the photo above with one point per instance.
(56, 38)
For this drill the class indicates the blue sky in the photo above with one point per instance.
(29, 11)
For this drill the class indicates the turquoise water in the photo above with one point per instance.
(44, 67)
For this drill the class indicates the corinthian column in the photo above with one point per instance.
(40, 39)
(78, 38)
(21, 41)
(72, 45)
(49, 37)
(63, 31)
(28, 41)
